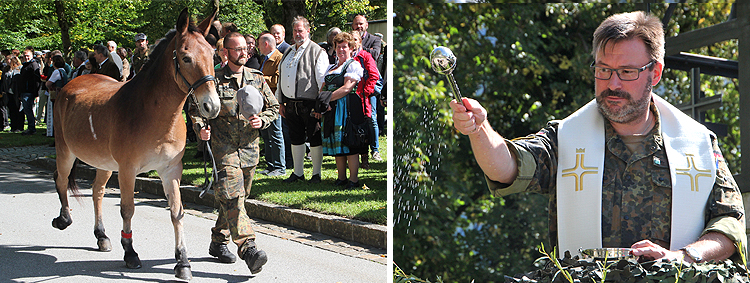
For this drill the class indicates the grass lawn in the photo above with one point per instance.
(367, 203)
(8, 139)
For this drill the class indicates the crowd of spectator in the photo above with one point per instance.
(26, 99)
(31, 78)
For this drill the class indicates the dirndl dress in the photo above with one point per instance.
(332, 139)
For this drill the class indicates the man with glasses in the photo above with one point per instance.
(627, 170)
(235, 143)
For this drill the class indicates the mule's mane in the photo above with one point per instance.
(159, 49)
(131, 97)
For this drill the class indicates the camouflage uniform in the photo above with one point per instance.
(140, 57)
(235, 146)
(636, 190)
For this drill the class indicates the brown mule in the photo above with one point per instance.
(136, 127)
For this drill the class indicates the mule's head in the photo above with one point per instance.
(193, 63)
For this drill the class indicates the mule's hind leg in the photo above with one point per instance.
(126, 178)
(102, 241)
(64, 180)
(170, 178)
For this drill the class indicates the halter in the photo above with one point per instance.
(191, 88)
(194, 101)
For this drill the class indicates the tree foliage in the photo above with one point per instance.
(322, 14)
(35, 22)
(527, 64)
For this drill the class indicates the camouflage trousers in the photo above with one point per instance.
(231, 189)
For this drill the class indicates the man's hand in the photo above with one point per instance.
(469, 116)
(256, 122)
(651, 251)
(316, 115)
(205, 133)
(281, 110)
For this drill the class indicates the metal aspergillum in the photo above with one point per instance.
(443, 62)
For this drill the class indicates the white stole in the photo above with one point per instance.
(581, 150)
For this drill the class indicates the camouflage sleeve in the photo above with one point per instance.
(725, 211)
(536, 156)
(526, 168)
(271, 107)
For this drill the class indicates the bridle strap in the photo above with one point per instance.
(191, 87)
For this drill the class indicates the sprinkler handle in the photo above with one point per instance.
(454, 86)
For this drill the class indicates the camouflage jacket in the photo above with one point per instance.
(636, 189)
(234, 141)
(140, 57)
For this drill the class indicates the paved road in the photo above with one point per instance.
(33, 251)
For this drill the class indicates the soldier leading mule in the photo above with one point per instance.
(136, 127)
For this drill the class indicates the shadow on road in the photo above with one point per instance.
(23, 263)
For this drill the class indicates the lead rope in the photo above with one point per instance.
(209, 182)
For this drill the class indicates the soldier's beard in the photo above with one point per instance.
(239, 60)
(624, 112)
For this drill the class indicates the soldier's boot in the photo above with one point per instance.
(221, 252)
(254, 258)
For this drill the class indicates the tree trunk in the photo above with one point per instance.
(291, 9)
(63, 23)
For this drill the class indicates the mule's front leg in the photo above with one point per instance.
(182, 269)
(171, 181)
(127, 209)
(102, 241)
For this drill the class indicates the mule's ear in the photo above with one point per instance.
(205, 25)
(182, 21)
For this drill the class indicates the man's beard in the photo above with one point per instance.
(629, 110)
(239, 60)
(300, 40)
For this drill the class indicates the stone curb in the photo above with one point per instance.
(339, 227)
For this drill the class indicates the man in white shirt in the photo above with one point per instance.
(301, 75)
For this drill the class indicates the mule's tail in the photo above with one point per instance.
(72, 186)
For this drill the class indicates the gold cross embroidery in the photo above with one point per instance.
(693, 172)
(579, 170)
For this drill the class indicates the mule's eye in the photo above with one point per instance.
(186, 60)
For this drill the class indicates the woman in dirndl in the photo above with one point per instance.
(341, 80)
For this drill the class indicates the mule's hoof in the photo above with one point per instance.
(61, 222)
(183, 272)
(132, 261)
(104, 245)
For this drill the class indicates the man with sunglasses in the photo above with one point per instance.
(235, 139)
(627, 170)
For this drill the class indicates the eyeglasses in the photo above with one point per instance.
(625, 74)
(238, 49)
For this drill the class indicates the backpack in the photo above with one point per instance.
(63, 79)
(378, 84)
(378, 87)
